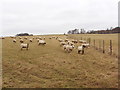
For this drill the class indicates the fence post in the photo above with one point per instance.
(103, 46)
(94, 43)
(99, 44)
(89, 41)
(110, 47)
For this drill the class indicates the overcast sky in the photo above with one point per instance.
(56, 16)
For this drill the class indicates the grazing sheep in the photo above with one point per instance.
(56, 38)
(44, 38)
(21, 41)
(62, 43)
(24, 46)
(53, 36)
(87, 45)
(14, 40)
(2, 38)
(74, 41)
(41, 42)
(70, 43)
(68, 48)
(82, 41)
(38, 40)
(20, 37)
(60, 40)
(31, 40)
(11, 36)
(81, 49)
(66, 40)
(50, 38)
(25, 38)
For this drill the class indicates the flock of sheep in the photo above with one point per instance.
(68, 45)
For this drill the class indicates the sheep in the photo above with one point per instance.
(62, 43)
(20, 37)
(31, 40)
(82, 41)
(60, 40)
(21, 41)
(14, 40)
(68, 48)
(24, 46)
(44, 38)
(38, 40)
(53, 36)
(56, 38)
(74, 41)
(11, 36)
(70, 43)
(25, 38)
(41, 42)
(2, 38)
(87, 45)
(81, 49)
(50, 38)
(66, 40)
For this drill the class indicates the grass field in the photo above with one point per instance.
(50, 66)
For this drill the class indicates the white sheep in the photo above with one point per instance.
(81, 49)
(24, 46)
(25, 38)
(66, 40)
(44, 38)
(38, 40)
(87, 45)
(68, 48)
(62, 43)
(31, 40)
(41, 42)
(70, 43)
(21, 41)
(14, 40)
(20, 37)
(74, 41)
(53, 36)
(82, 41)
(60, 40)
(56, 38)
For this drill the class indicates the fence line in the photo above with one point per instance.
(101, 45)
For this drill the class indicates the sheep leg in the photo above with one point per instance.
(82, 51)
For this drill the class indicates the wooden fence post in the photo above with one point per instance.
(103, 46)
(99, 44)
(94, 43)
(110, 47)
(89, 41)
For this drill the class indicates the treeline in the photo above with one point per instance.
(82, 31)
(24, 34)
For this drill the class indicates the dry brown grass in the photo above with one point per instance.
(50, 67)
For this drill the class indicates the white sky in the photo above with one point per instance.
(56, 16)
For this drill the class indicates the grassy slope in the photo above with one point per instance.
(49, 66)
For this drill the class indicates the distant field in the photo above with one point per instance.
(50, 66)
